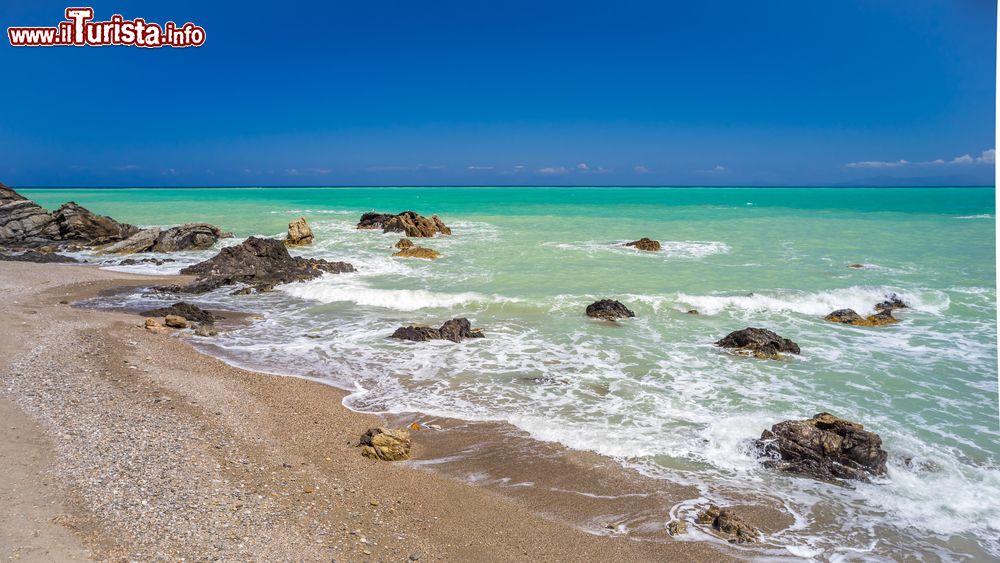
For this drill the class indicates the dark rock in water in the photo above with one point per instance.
(856, 266)
(729, 523)
(758, 342)
(693, 312)
(892, 302)
(259, 263)
(646, 244)
(192, 236)
(824, 447)
(455, 330)
(409, 222)
(847, 316)
(182, 309)
(608, 309)
(39, 257)
(373, 220)
(25, 223)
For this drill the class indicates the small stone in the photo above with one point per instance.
(414, 557)
(677, 527)
(175, 321)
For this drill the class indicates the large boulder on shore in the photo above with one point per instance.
(139, 242)
(609, 310)
(759, 343)
(824, 447)
(385, 444)
(455, 330)
(647, 244)
(260, 263)
(25, 223)
(299, 233)
(192, 236)
(184, 310)
(409, 222)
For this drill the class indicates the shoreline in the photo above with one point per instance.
(209, 460)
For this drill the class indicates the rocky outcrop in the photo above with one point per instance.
(851, 317)
(184, 310)
(759, 343)
(25, 223)
(385, 444)
(139, 242)
(824, 447)
(404, 243)
(455, 330)
(259, 263)
(647, 244)
(192, 236)
(38, 257)
(609, 310)
(891, 303)
(299, 233)
(409, 222)
(418, 252)
(729, 523)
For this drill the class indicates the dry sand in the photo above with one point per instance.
(123, 444)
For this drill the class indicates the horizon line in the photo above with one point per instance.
(543, 186)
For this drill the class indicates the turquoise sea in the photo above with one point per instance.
(653, 392)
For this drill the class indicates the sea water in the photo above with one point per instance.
(653, 392)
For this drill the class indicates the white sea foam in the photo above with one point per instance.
(980, 216)
(861, 299)
(672, 249)
(329, 289)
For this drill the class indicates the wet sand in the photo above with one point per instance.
(133, 445)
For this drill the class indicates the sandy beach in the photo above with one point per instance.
(131, 445)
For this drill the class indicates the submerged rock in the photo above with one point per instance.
(824, 447)
(409, 222)
(385, 444)
(418, 252)
(849, 316)
(404, 243)
(206, 330)
(856, 266)
(608, 309)
(646, 244)
(891, 303)
(729, 523)
(184, 310)
(455, 330)
(259, 263)
(758, 342)
(299, 233)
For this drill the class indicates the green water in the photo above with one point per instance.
(653, 391)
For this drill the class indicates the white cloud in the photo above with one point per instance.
(987, 157)
(582, 167)
(640, 169)
(473, 167)
(553, 170)
(717, 169)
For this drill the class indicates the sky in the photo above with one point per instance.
(510, 93)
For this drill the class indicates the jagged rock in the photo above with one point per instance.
(183, 310)
(205, 329)
(608, 309)
(191, 236)
(891, 303)
(409, 222)
(299, 233)
(418, 252)
(175, 321)
(76, 223)
(758, 342)
(372, 220)
(385, 444)
(259, 263)
(455, 330)
(404, 243)
(677, 527)
(646, 244)
(24, 222)
(824, 447)
(39, 257)
(849, 316)
(727, 522)
(139, 242)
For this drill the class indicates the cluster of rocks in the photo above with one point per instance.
(883, 315)
(409, 222)
(257, 263)
(455, 330)
(191, 236)
(181, 315)
(725, 520)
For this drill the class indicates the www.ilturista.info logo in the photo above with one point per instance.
(79, 30)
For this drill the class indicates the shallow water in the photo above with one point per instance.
(652, 391)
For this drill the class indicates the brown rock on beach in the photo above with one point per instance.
(386, 445)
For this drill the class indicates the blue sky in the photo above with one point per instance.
(521, 93)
